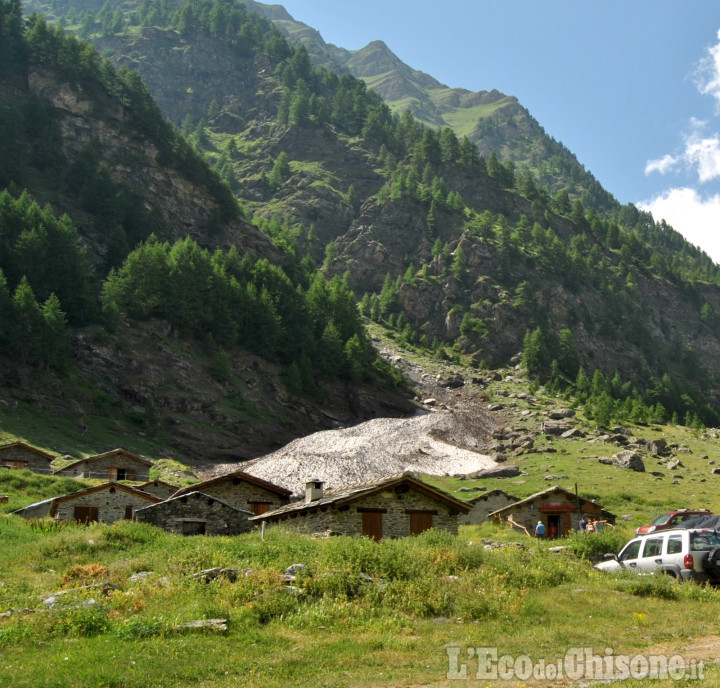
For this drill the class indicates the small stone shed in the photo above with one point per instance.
(486, 503)
(243, 491)
(394, 506)
(106, 503)
(117, 464)
(159, 488)
(18, 455)
(556, 507)
(196, 513)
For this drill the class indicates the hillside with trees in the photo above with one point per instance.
(460, 253)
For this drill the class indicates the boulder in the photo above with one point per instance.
(629, 459)
(506, 471)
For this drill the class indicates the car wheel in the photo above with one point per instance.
(712, 563)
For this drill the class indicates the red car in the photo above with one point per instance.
(672, 519)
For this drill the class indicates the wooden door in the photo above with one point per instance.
(566, 527)
(372, 524)
(419, 523)
(86, 514)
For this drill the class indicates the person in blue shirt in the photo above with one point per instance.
(540, 529)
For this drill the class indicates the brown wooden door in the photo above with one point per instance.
(372, 524)
(260, 507)
(86, 514)
(419, 523)
(566, 525)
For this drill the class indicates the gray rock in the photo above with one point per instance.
(629, 459)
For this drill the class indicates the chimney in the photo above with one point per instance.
(313, 490)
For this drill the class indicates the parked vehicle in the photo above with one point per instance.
(672, 519)
(686, 554)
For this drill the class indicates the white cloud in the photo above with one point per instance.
(695, 217)
(662, 165)
(708, 74)
(704, 156)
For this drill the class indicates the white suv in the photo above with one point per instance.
(692, 554)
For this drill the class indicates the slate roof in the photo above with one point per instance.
(556, 489)
(341, 496)
(28, 447)
(197, 495)
(88, 491)
(492, 493)
(240, 475)
(157, 483)
(114, 452)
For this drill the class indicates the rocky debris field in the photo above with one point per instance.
(448, 435)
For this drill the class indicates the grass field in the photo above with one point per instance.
(361, 614)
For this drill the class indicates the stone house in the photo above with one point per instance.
(243, 491)
(117, 464)
(484, 504)
(196, 513)
(159, 488)
(18, 455)
(394, 506)
(556, 507)
(106, 503)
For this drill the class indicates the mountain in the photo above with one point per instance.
(132, 286)
(454, 253)
(496, 122)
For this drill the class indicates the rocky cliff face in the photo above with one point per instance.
(183, 207)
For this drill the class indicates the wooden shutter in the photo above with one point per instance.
(372, 524)
(420, 522)
(86, 514)
(260, 507)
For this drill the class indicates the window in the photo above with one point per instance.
(631, 551)
(653, 547)
(14, 465)
(704, 542)
(86, 514)
(674, 545)
(193, 528)
(117, 473)
(260, 507)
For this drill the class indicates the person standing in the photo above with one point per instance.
(582, 523)
(540, 529)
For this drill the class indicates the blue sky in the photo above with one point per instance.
(632, 87)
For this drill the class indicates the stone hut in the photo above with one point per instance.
(117, 464)
(106, 503)
(196, 513)
(159, 488)
(484, 504)
(394, 506)
(243, 491)
(556, 507)
(18, 455)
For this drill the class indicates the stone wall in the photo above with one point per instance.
(395, 519)
(527, 516)
(178, 514)
(159, 489)
(112, 504)
(486, 504)
(99, 468)
(31, 460)
(241, 494)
